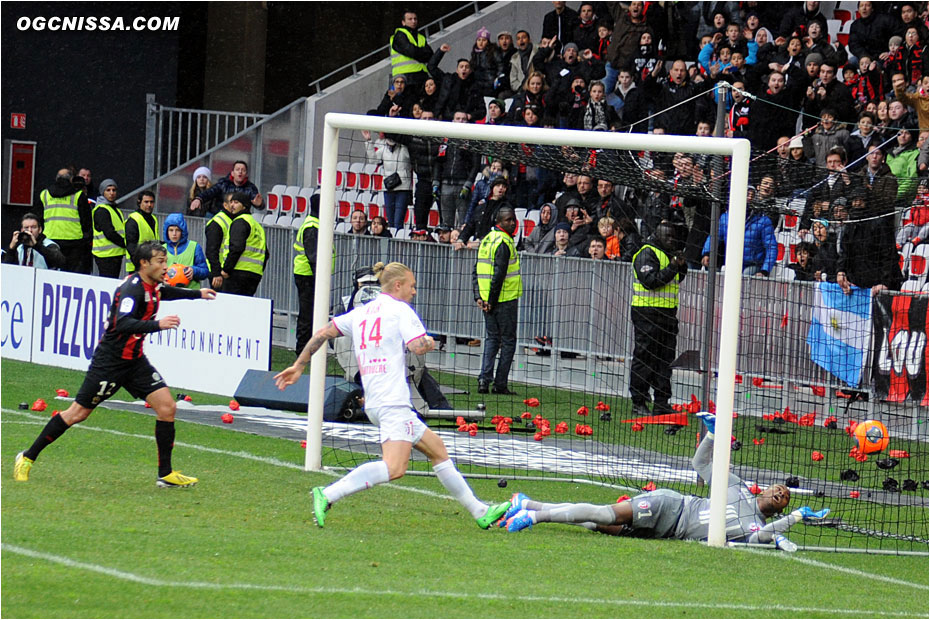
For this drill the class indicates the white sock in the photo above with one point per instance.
(529, 504)
(577, 513)
(452, 479)
(362, 477)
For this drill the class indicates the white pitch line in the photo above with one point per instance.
(149, 581)
(838, 568)
(280, 463)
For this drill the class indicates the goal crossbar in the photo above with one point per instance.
(738, 150)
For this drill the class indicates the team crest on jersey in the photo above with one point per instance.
(644, 505)
(148, 297)
(127, 305)
(156, 377)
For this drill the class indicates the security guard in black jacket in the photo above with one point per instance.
(658, 268)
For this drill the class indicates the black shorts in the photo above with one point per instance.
(105, 377)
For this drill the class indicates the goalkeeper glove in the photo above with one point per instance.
(807, 513)
(464, 193)
(784, 544)
(709, 420)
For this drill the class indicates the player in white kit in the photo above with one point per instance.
(381, 330)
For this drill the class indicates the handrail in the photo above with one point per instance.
(199, 111)
(268, 118)
(317, 84)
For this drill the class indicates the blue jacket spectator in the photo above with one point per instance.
(760, 249)
(176, 249)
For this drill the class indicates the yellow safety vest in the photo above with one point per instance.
(401, 64)
(186, 258)
(103, 247)
(146, 233)
(222, 220)
(662, 297)
(301, 263)
(253, 257)
(62, 219)
(513, 283)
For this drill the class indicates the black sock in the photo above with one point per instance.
(164, 439)
(52, 431)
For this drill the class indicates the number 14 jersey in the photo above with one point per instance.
(380, 331)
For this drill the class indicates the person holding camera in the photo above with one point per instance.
(30, 248)
(67, 216)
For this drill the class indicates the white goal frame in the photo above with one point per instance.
(734, 148)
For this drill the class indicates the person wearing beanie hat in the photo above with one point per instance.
(561, 244)
(109, 242)
(507, 50)
(486, 65)
(245, 248)
(569, 46)
(201, 183)
(237, 181)
(816, 59)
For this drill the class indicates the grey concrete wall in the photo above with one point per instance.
(360, 93)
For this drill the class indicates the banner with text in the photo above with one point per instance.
(216, 343)
(16, 311)
(899, 365)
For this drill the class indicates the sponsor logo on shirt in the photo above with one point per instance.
(644, 505)
(127, 305)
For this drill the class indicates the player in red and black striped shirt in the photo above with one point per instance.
(119, 362)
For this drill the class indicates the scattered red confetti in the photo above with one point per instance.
(582, 410)
(637, 427)
(188, 398)
(463, 427)
(473, 433)
(234, 405)
(538, 436)
(602, 406)
(758, 442)
(303, 444)
(561, 428)
(856, 454)
(623, 498)
(495, 420)
(712, 407)
(650, 486)
(531, 402)
(739, 379)
(147, 405)
(227, 418)
(807, 419)
(678, 407)
(503, 428)
(757, 381)
(829, 420)
(899, 454)
(768, 416)
(473, 427)
(851, 428)
(754, 489)
(816, 456)
(62, 392)
(460, 420)
(39, 405)
(583, 429)
(526, 415)
(54, 413)
(819, 390)
(854, 494)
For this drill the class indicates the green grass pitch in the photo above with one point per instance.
(90, 536)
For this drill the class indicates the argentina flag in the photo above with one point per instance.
(841, 326)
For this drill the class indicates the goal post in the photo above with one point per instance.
(738, 152)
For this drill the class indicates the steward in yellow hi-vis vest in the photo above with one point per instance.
(498, 287)
(109, 246)
(658, 268)
(245, 252)
(216, 233)
(409, 52)
(305, 271)
(141, 226)
(67, 220)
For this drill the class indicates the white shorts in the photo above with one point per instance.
(397, 423)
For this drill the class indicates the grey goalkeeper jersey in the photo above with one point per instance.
(745, 523)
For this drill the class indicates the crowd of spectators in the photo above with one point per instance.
(839, 125)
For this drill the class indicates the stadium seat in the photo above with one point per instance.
(377, 181)
(918, 268)
(362, 180)
(433, 220)
(351, 173)
(904, 259)
(273, 197)
(303, 202)
(344, 205)
(342, 175)
(781, 272)
(833, 28)
(289, 198)
(533, 215)
(342, 227)
(520, 213)
(402, 233)
(528, 225)
(373, 209)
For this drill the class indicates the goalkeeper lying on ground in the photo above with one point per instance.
(667, 514)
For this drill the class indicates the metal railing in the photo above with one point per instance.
(348, 70)
(177, 135)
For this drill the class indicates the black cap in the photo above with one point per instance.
(242, 198)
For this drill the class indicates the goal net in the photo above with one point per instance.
(798, 363)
